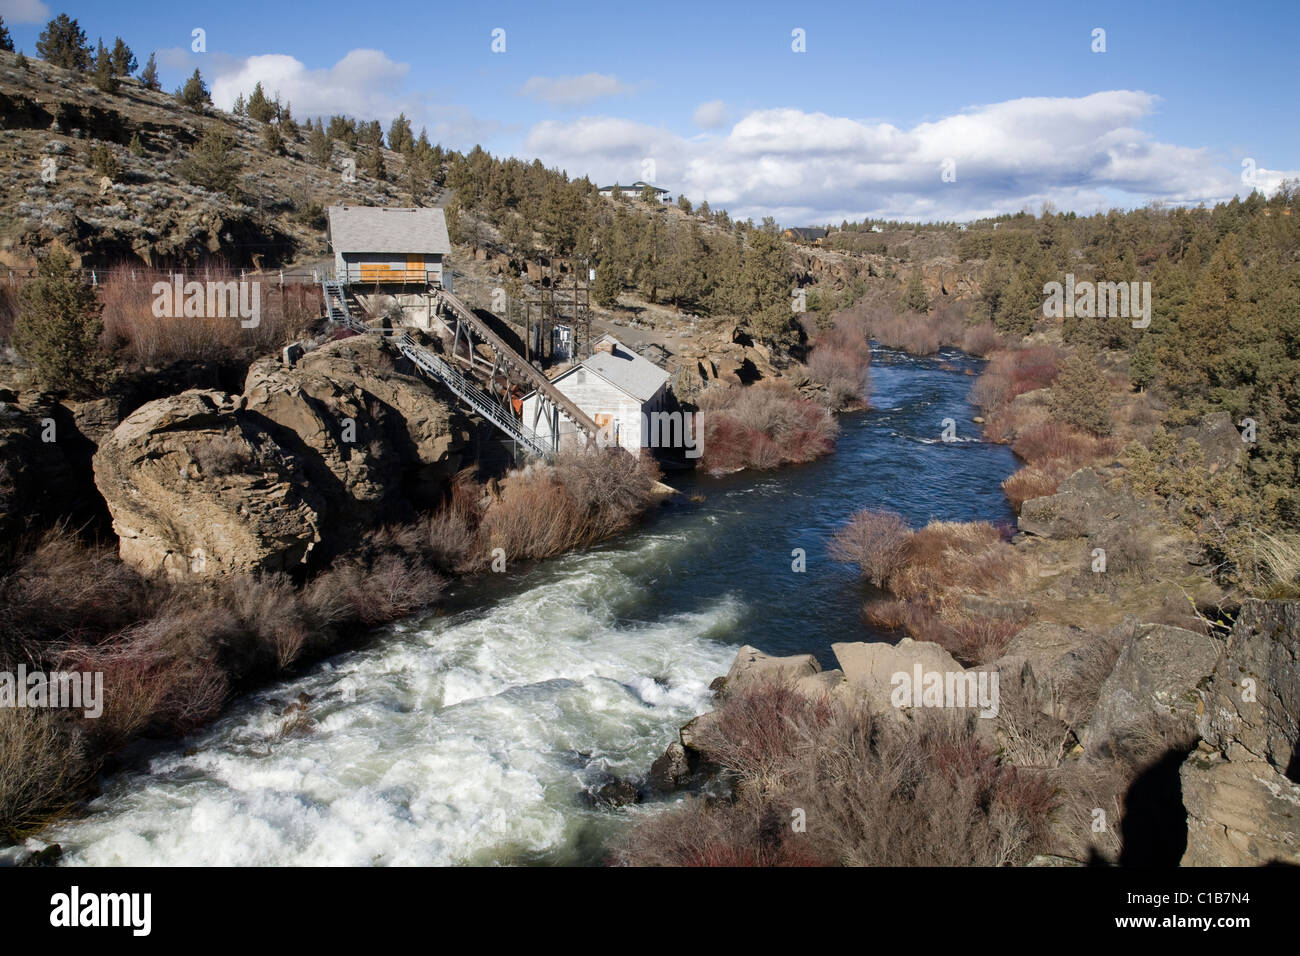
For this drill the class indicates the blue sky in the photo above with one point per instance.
(714, 102)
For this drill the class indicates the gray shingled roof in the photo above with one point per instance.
(637, 376)
(388, 230)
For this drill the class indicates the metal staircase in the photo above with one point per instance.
(338, 310)
(432, 364)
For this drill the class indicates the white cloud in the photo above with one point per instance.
(365, 84)
(1080, 153)
(24, 11)
(573, 90)
(710, 115)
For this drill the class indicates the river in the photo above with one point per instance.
(467, 736)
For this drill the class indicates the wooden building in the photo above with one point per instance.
(389, 246)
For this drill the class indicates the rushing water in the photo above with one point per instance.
(467, 736)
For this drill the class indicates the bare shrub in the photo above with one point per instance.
(222, 454)
(763, 426)
(873, 540)
(42, 765)
(982, 339)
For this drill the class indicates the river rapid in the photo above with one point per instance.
(468, 736)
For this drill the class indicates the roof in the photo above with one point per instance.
(389, 229)
(625, 370)
(630, 373)
(806, 232)
(636, 187)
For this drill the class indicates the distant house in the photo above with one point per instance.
(634, 191)
(388, 246)
(616, 387)
(805, 234)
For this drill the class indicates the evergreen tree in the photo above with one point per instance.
(58, 328)
(1080, 395)
(149, 75)
(375, 164)
(241, 106)
(6, 41)
(914, 297)
(765, 281)
(194, 93)
(400, 139)
(214, 163)
(105, 80)
(21, 61)
(272, 141)
(63, 43)
(136, 148)
(319, 145)
(259, 107)
(124, 62)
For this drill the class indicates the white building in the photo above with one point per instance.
(634, 191)
(616, 387)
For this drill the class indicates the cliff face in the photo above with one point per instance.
(289, 473)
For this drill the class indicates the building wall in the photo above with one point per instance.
(374, 266)
(598, 399)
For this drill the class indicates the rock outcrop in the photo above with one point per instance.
(291, 472)
(1240, 786)
(1154, 687)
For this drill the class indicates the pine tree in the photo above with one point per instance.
(241, 106)
(149, 75)
(1080, 395)
(105, 81)
(272, 141)
(213, 163)
(765, 280)
(319, 145)
(375, 164)
(124, 62)
(63, 43)
(136, 148)
(608, 284)
(399, 135)
(58, 328)
(914, 298)
(6, 41)
(259, 107)
(194, 93)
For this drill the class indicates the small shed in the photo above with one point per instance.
(388, 245)
(618, 390)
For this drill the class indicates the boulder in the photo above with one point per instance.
(1219, 439)
(1240, 811)
(1253, 698)
(1084, 506)
(869, 668)
(193, 487)
(1053, 662)
(671, 770)
(751, 666)
(1157, 675)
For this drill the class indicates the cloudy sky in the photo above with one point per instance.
(807, 112)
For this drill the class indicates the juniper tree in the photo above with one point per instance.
(6, 41)
(149, 75)
(124, 62)
(194, 93)
(105, 80)
(58, 328)
(914, 298)
(63, 43)
(213, 163)
(259, 107)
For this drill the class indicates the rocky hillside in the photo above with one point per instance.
(148, 211)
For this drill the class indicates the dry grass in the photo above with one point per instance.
(923, 792)
(1028, 483)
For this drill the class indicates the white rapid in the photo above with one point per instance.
(465, 738)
